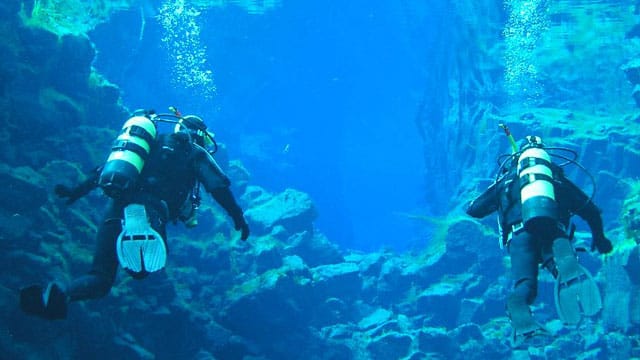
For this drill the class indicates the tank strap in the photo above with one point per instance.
(532, 161)
(123, 145)
(529, 178)
(141, 132)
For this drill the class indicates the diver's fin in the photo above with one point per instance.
(522, 321)
(139, 247)
(576, 293)
(49, 303)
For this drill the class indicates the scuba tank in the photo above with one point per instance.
(128, 154)
(537, 196)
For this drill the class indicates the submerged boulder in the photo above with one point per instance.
(314, 248)
(291, 209)
(21, 190)
(392, 345)
(337, 280)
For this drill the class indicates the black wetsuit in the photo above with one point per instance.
(173, 167)
(529, 249)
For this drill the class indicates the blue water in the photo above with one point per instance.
(317, 96)
(338, 99)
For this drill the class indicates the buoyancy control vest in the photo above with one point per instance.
(128, 155)
(537, 195)
(169, 174)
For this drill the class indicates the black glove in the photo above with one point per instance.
(240, 224)
(602, 244)
(71, 194)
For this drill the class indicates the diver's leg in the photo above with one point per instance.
(98, 281)
(50, 302)
(525, 255)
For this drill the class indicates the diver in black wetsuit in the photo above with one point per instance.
(535, 201)
(133, 232)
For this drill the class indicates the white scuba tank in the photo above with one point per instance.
(537, 196)
(128, 154)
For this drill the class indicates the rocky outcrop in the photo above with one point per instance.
(291, 209)
(48, 88)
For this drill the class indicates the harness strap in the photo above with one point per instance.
(529, 178)
(532, 161)
(129, 146)
(141, 132)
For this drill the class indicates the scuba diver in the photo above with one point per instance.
(535, 201)
(150, 179)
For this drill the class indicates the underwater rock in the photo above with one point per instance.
(332, 311)
(467, 332)
(481, 310)
(616, 296)
(63, 171)
(468, 310)
(441, 302)
(291, 208)
(632, 268)
(337, 351)
(370, 264)
(615, 345)
(238, 174)
(44, 87)
(392, 325)
(467, 246)
(21, 191)
(436, 340)
(226, 344)
(381, 323)
(632, 71)
(418, 355)
(255, 195)
(634, 305)
(396, 277)
(375, 319)
(336, 280)
(52, 87)
(631, 213)
(273, 303)
(72, 63)
(338, 331)
(296, 265)
(391, 345)
(132, 347)
(14, 226)
(314, 248)
(204, 355)
(337, 341)
(635, 93)
(266, 255)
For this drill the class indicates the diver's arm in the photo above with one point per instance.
(74, 193)
(217, 184)
(484, 204)
(581, 205)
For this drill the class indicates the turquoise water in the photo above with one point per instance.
(318, 96)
